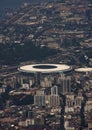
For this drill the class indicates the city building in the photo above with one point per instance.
(54, 90)
(39, 100)
(66, 84)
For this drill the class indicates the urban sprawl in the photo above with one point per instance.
(50, 33)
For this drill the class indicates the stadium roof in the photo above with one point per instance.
(87, 69)
(44, 68)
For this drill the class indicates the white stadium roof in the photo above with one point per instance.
(86, 69)
(45, 68)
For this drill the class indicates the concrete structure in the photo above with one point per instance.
(66, 84)
(39, 100)
(84, 70)
(47, 100)
(41, 73)
(45, 68)
(53, 100)
(54, 90)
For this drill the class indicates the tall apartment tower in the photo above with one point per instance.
(54, 90)
(66, 85)
(53, 100)
(39, 100)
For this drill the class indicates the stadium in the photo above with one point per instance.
(88, 69)
(44, 75)
(85, 70)
(45, 68)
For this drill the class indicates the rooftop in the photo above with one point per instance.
(45, 68)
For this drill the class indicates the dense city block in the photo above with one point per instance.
(46, 66)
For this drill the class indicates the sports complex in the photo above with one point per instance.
(45, 68)
(84, 70)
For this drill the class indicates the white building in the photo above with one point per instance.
(54, 90)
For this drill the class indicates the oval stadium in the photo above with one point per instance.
(45, 68)
(86, 69)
